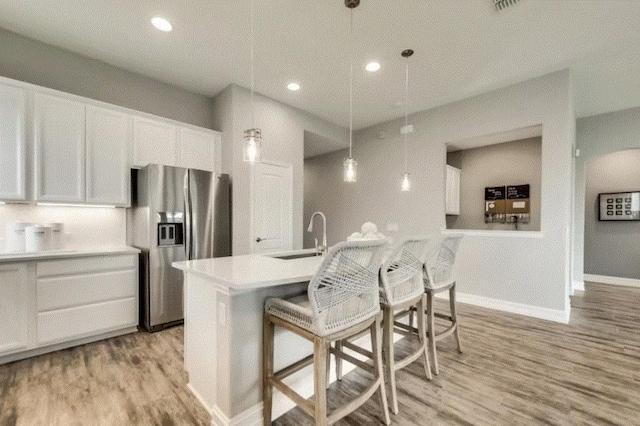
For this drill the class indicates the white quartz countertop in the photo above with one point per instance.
(254, 271)
(62, 254)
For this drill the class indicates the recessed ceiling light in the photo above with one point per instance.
(293, 87)
(372, 66)
(161, 24)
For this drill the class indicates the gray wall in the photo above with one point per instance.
(611, 248)
(510, 163)
(38, 63)
(597, 136)
(283, 128)
(505, 272)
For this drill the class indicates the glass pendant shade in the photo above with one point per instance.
(406, 183)
(350, 169)
(252, 146)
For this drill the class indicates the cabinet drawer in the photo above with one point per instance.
(69, 291)
(82, 321)
(86, 265)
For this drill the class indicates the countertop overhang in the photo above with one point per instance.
(254, 271)
(65, 254)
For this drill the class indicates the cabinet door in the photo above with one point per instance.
(84, 297)
(197, 150)
(17, 311)
(155, 142)
(453, 191)
(13, 107)
(59, 126)
(109, 135)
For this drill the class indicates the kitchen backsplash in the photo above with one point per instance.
(83, 226)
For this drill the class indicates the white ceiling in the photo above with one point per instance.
(463, 48)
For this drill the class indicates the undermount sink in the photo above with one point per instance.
(295, 256)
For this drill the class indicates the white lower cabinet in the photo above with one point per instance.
(57, 303)
(17, 313)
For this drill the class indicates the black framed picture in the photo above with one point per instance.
(619, 206)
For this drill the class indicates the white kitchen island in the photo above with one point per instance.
(224, 306)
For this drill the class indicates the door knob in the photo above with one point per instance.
(258, 239)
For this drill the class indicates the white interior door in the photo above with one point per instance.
(272, 208)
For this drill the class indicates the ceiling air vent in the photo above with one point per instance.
(503, 4)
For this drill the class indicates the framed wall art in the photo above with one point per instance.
(619, 206)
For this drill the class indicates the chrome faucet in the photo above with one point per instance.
(322, 249)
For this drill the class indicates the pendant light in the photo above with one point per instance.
(252, 136)
(350, 164)
(405, 130)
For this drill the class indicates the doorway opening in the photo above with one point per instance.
(612, 219)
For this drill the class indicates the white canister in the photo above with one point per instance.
(14, 235)
(38, 238)
(57, 235)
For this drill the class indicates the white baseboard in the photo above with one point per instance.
(512, 307)
(577, 286)
(64, 345)
(200, 399)
(250, 417)
(603, 279)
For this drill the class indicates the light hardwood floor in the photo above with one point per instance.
(515, 371)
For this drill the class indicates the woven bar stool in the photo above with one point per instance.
(402, 290)
(439, 277)
(343, 300)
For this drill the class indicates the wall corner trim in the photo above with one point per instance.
(603, 279)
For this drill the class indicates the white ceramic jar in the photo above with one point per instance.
(38, 238)
(57, 235)
(15, 240)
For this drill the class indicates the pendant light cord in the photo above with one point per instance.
(406, 113)
(252, 60)
(351, 88)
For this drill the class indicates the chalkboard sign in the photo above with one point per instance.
(517, 191)
(494, 193)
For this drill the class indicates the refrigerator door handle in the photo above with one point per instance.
(187, 217)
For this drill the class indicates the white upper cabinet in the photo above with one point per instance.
(59, 149)
(154, 142)
(197, 149)
(108, 139)
(453, 191)
(13, 116)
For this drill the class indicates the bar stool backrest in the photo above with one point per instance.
(344, 292)
(401, 273)
(439, 268)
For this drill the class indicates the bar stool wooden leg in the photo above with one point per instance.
(423, 336)
(267, 370)
(320, 380)
(454, 315)
(328, 380)
(387, 337)
(432, 331)
(377, 363)
(339, 361)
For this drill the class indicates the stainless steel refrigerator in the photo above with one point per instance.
(177, 214)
